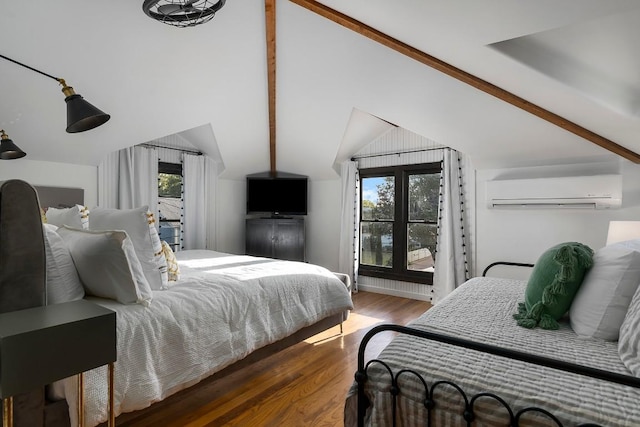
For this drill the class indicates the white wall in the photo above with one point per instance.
(53, 175)
(230, 216)
(500, 234)
(497, 234)
(323, 223)
(522, 235)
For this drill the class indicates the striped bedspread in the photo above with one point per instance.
(481, 310)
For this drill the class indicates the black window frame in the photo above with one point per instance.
(399, 270)
(172, 169)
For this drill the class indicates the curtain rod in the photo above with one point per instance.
(366, 156)
(184, 150)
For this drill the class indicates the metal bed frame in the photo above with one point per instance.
(468, 411)
(515, 264)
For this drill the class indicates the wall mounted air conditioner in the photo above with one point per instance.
(590, 192)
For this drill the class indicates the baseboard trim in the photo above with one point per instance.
(394, 292)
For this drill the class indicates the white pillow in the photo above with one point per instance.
(140, 225)
(76, 216)
(107, 265)
(631, 244)
(629, 342)
(601, 303)
(63, 283)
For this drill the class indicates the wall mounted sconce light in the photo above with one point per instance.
(81, 115)
(9, 150)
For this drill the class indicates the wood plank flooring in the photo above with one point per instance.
(304, 385)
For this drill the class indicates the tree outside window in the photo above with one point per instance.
(399, 213)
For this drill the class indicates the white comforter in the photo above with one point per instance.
(223, 308)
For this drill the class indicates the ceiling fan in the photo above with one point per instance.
(182, 13)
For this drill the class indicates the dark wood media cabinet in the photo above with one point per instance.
(281, 238)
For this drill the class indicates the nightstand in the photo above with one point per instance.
(44, 344)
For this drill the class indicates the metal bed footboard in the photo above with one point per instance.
(468, 414)
(507, 263)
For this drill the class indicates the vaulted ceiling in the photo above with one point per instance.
(335, 89)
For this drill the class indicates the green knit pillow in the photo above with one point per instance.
(553, 284)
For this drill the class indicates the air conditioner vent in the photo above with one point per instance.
(586, 192)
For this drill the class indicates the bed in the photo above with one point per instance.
(467, 362)
(221, 309)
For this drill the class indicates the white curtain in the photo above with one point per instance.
(451, 268)
(195, 202)
(211, 174)
(349, 222)
(108, 177)
(128, 179)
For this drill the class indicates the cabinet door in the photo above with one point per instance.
(289, 240)
(259, 238)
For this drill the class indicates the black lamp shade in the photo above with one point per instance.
(81, 115)
(9, 150)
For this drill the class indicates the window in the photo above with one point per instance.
(170, 203)
(398, 221)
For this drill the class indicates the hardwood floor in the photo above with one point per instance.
(303, 385)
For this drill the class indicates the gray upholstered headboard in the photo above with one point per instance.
(59, 197)
(22, 273)
(22, 253)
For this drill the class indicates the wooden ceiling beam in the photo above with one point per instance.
(465, 77)
(270, 17)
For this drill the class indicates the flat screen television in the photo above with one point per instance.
(282, 195)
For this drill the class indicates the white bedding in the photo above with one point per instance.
(222, 308)
(481, 310)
